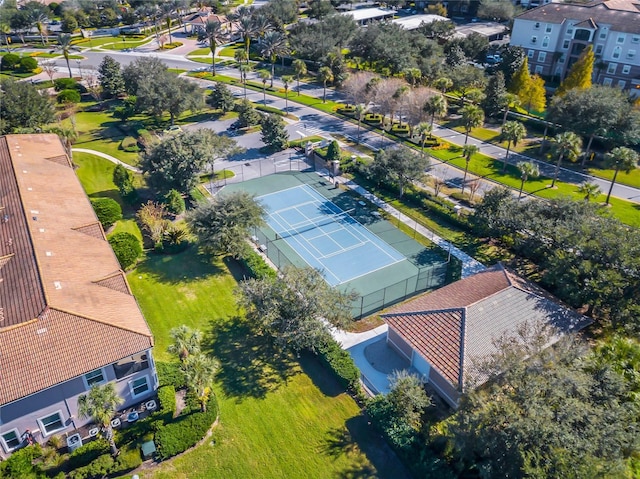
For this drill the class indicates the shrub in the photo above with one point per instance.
(127, 248)
(186, 431)
(107, 210)
(145, 138)
(174, 202)
(340, 362)
(28, 64)
(88, 453)
(97, 469)
(257, 265)
(68, 96)
(60, 84)
(170, 374)
(167, 399)
(130, 144)
(129, 459)
(270, 109)
(10, 61)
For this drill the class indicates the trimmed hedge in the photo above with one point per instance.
(127, 248)
(269, 109)
(107, 210)
(130, 144)
(171, 374)
(60, 84)
(186, 431)
(10, 61)
(88, 453)
(27, 64)
(97, 469)
(341, 363)
(167, 399)
(258, 266)
(68, 96)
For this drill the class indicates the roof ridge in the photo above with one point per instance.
(118, 273)
(82, 228)
(61, 310)
(428, 311)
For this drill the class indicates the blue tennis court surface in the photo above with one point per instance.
(326, 237)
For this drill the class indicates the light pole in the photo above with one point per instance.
(79, 69)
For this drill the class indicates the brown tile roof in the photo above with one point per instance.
(621, 15)
(455, 326)
(61, 262)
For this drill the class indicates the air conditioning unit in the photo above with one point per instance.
(94, 432)
(74, 442)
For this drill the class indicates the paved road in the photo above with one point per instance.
(317, 122)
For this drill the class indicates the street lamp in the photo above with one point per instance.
(79, 69)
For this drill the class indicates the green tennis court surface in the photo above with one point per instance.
(311, 223)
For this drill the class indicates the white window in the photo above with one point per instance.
(616, 52)
(606, 82)
(611, 68)
(569, 31)
(548, 29)
(10, 440)
(139, 386)
(536, 25)
(621, 84)
(51, 424)
(565, 44)
(561, 59)
(631, 54)
(635, 39)
(530, 53)
(94, 377)
(620, 38)
(538, 70)
(534, 39)
(545, 42)
(598, 49)
(542, 56)
(603, 35)
(626, 69)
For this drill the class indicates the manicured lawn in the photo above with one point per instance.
(631, 179)
(120, 45)
(279, 417)
(200, 51)
(230, 51)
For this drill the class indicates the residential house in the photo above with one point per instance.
(444, 334)
(555, 34)
(195, 23)
(68, 319)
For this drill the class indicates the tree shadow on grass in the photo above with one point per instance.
(185, 266)
(251, 366)
(324, 379)
(359, 435)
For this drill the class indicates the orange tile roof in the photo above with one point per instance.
(455, 326)
(59, 261)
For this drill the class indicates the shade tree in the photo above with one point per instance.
(274, 133)
(110, 77)
(399, 166)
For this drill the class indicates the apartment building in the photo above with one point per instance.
(555, 34)
(68, 319)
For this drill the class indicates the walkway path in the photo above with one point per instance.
(107, 157)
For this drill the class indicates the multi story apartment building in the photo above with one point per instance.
(555, 34)
(68, 319)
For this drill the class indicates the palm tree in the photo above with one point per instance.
(200, 371)
(264, 76)
(213, 34)
(511, 100)
(100, 405)
(472, 117)
(186, 342)
(261, 25)
(41, 24)
(286, 81)
(64, 46)
(527, 170)
(244, 70)
(468, 151)
(67, 134)
(565, 145)
(589, 190)
(300, 68)
(240, 56)
(512, 132)
(273, 44)
(5, 29)
(621, 158)
(436, 106)
(167, 11)
(443, 84)
(246, 28)
(423, 130)
(325, 75)
(360, 111)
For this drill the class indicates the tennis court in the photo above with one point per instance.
(326, 237)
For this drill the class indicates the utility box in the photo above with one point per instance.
(74, 442)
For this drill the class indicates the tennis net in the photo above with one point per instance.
(311, 224)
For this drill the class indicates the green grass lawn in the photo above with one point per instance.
(120, 45)
(631, 179)
(279, 417)
(201, 51)
(230, 51)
